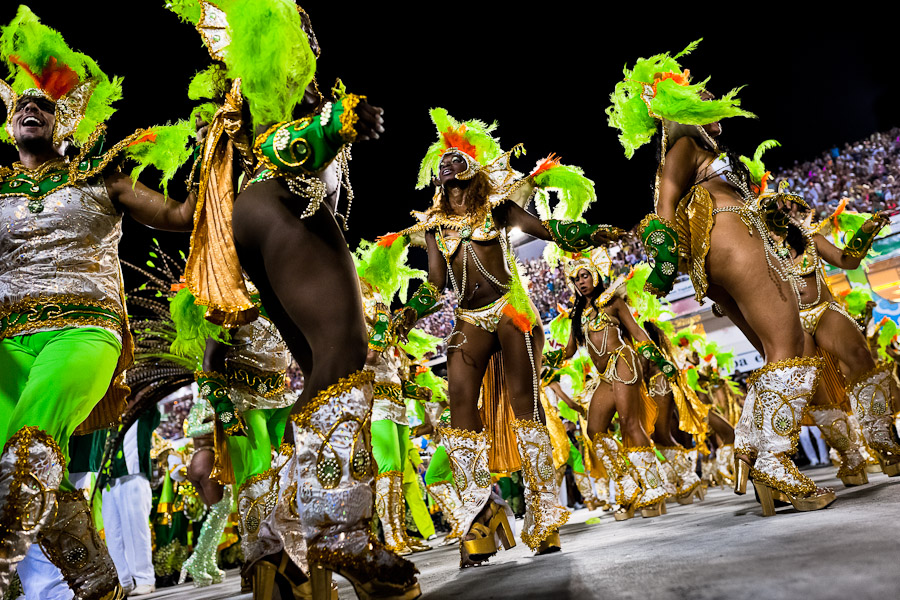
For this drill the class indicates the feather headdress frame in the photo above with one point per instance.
(596, 262)
(43, 66)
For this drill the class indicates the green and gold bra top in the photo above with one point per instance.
(59, 259)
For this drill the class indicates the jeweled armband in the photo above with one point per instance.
(214, 387)
(308, 145)
(575, 236)
(424, 301)
(661, 242)
(414, 391)
(648, 350)
(554, 358)
(380, 329)
(862, 240)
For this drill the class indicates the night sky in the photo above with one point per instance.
(544, 76)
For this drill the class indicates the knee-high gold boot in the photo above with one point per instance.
(870, 397)
(334, 495)
(627, 489)
(834, 424)
(72, 543)
(31, 469)
(783, 389)
(543, 513)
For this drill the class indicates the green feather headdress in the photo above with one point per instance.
(657, 88)
(270, 52)
(757, 168)
(560, 331)
(383, 266)
(886, 334)
(686, 338)
(577, 370)
(43, 65)
(472, 138)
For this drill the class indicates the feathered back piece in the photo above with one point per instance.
(472, 138)
(574, 191)
(757, 169)
(658, 88)
(43, 65)
(647, 306)
(192, 327)
(270, 53)
(420, 343)
(383, 266)
(724, 358)
(856, 300)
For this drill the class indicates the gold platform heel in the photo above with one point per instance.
(262, 580)
(484, 545)
(550, 545)
(654, 510)
(320, 580)
(741, 475)
(623, 513)
(766, 501)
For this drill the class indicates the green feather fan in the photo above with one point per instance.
(574, 191)
(437, 385)
(170, 149)
(192, 327)
(886, 335)
(187, 10)
(385, 269)
(560, 331)
(420, 343)
(756, 166)
(856, 300)
(210, 84)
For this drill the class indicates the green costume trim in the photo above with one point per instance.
(214, 387)
(661, 242)
(648, 350)
(413, 391)
(572, 236)
(308, 145)
(425, 300)
(554, 358)
(262, 383)
(388, 391)
(381, 329)
(862, 240)
(43, 312)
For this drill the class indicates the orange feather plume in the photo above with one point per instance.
(519, 319)
(55, 79)
(387, 240)
(147, 137)
(457, 139)
(548, 163)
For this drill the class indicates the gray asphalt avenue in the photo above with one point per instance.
(721, 548)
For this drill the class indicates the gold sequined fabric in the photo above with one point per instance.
(544, 515)
(213, 271)
(725, 463)
(693, 223)
(834, 424)
(558, 438)
(870, 397)
(257, 355)
(646, 467)
(73, 544)
(256, 501)
(391, 509)
(387, 404)
(451, 506)
(31, 469)
(782, 391)
(809, 317)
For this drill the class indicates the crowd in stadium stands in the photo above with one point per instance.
(866, 172)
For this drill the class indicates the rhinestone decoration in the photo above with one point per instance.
(226, 417)
(841, 443)
(262, 388)
(667, 268)
(878, 408)
(652, 479)
(328, 472)
(205, 390)
(545, 470)
(306, 493)
(281, 140)
(482, 478)
(782, 425)
(360, 463)
(75, 557)
(253, 520)
(657, 238)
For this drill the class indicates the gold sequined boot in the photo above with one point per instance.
(468, 454)
(670, 476)
(725, 463)
(627, 489)
(687, 480)
(450, 504)
(334, 495)
(72, 543)
(653, 492)
(834, 424)
(387, 499)
(783, 389)
(31, 469)
(543, 513)
(870, 397)
(588, 492)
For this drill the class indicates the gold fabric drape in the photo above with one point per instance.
(693, 223)
(496, 417)
(213, 271)
(558, 438)
(222, 471)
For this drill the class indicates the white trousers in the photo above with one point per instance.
(126, 518)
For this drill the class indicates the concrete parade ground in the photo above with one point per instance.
(720, 548)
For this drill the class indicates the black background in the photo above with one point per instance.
(544, 71)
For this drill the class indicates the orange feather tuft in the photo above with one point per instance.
(387, 240)
(55, 79)
(548, 163)
(457, 139)
(147, 137)
(519, 319)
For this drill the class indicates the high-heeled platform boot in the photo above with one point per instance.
(746, 441)
(387, 498)
(835, 427)
(450, 504)
(725, 463)
(544, 515)
(685, 481)
(468, 453)
(588, 492)
(201, 565)
(783, 389)
(870, 397)
(31, 469)
(670, 478)
(72, 543)
(653, 492)
(627, 489)
(334, 495)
